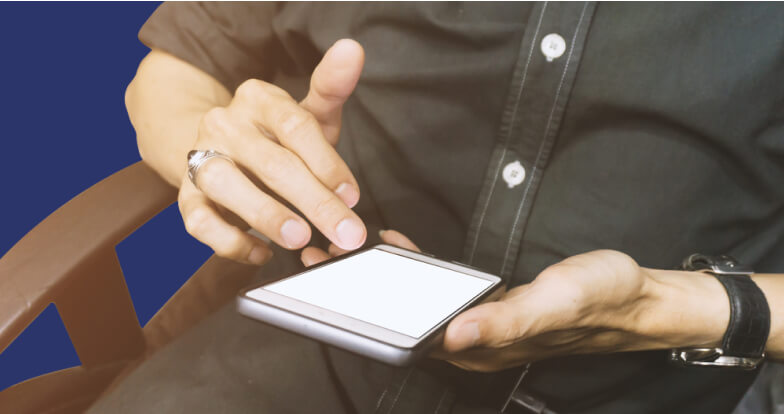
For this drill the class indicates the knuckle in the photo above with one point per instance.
(216, 122)
(181, 202)
(506, 329)
(251, 89)
(325, 208)
(255, 90)
(509, 334)
(550, 272)
(197, 221)
(569, 288)
(615, 258)
(559, 273)
(323, 87)
(280, 166)
(332, 171)
(296, 123)
(230, 250)
(259, 219)
(210, 176)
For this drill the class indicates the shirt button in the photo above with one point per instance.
(553, 46)
(514, 174)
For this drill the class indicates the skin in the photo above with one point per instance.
(597, 302)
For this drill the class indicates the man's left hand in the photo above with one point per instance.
(596, 302)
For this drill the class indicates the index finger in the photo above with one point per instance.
(299, 131)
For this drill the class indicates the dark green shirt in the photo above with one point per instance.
(512, 135)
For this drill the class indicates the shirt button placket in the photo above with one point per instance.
(538, 94)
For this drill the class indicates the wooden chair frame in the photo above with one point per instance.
(69, 259)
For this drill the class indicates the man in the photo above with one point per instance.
(535, 141)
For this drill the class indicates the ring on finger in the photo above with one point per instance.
(197, 158)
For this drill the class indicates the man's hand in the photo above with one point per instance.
(286, 148)
(597, 302)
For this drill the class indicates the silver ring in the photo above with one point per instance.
(197, 158)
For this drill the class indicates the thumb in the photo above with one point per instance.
(491, 324)
(332, 83)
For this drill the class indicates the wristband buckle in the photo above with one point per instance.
(717, 265)
(713, 357)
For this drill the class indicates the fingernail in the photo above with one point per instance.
(351, 233)
(259, 254)
(293, 233)
(348, 194)
(381, 233)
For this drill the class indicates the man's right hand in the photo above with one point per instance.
(287, 146)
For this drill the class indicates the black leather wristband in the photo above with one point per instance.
(743, 344)
(749, 326)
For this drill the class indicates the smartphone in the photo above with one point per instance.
(382, 302)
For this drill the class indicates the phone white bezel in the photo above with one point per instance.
(365, 329)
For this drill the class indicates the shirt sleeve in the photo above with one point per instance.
(231, 41)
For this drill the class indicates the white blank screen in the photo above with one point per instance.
(385, 289)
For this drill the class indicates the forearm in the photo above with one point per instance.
(166, 101)
(691, 309)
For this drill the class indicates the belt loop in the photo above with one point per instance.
(520, 402)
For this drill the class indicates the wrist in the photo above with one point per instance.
(684, 309)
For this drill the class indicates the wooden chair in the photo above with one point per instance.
(69, 259)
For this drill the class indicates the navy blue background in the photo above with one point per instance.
(63, 72)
